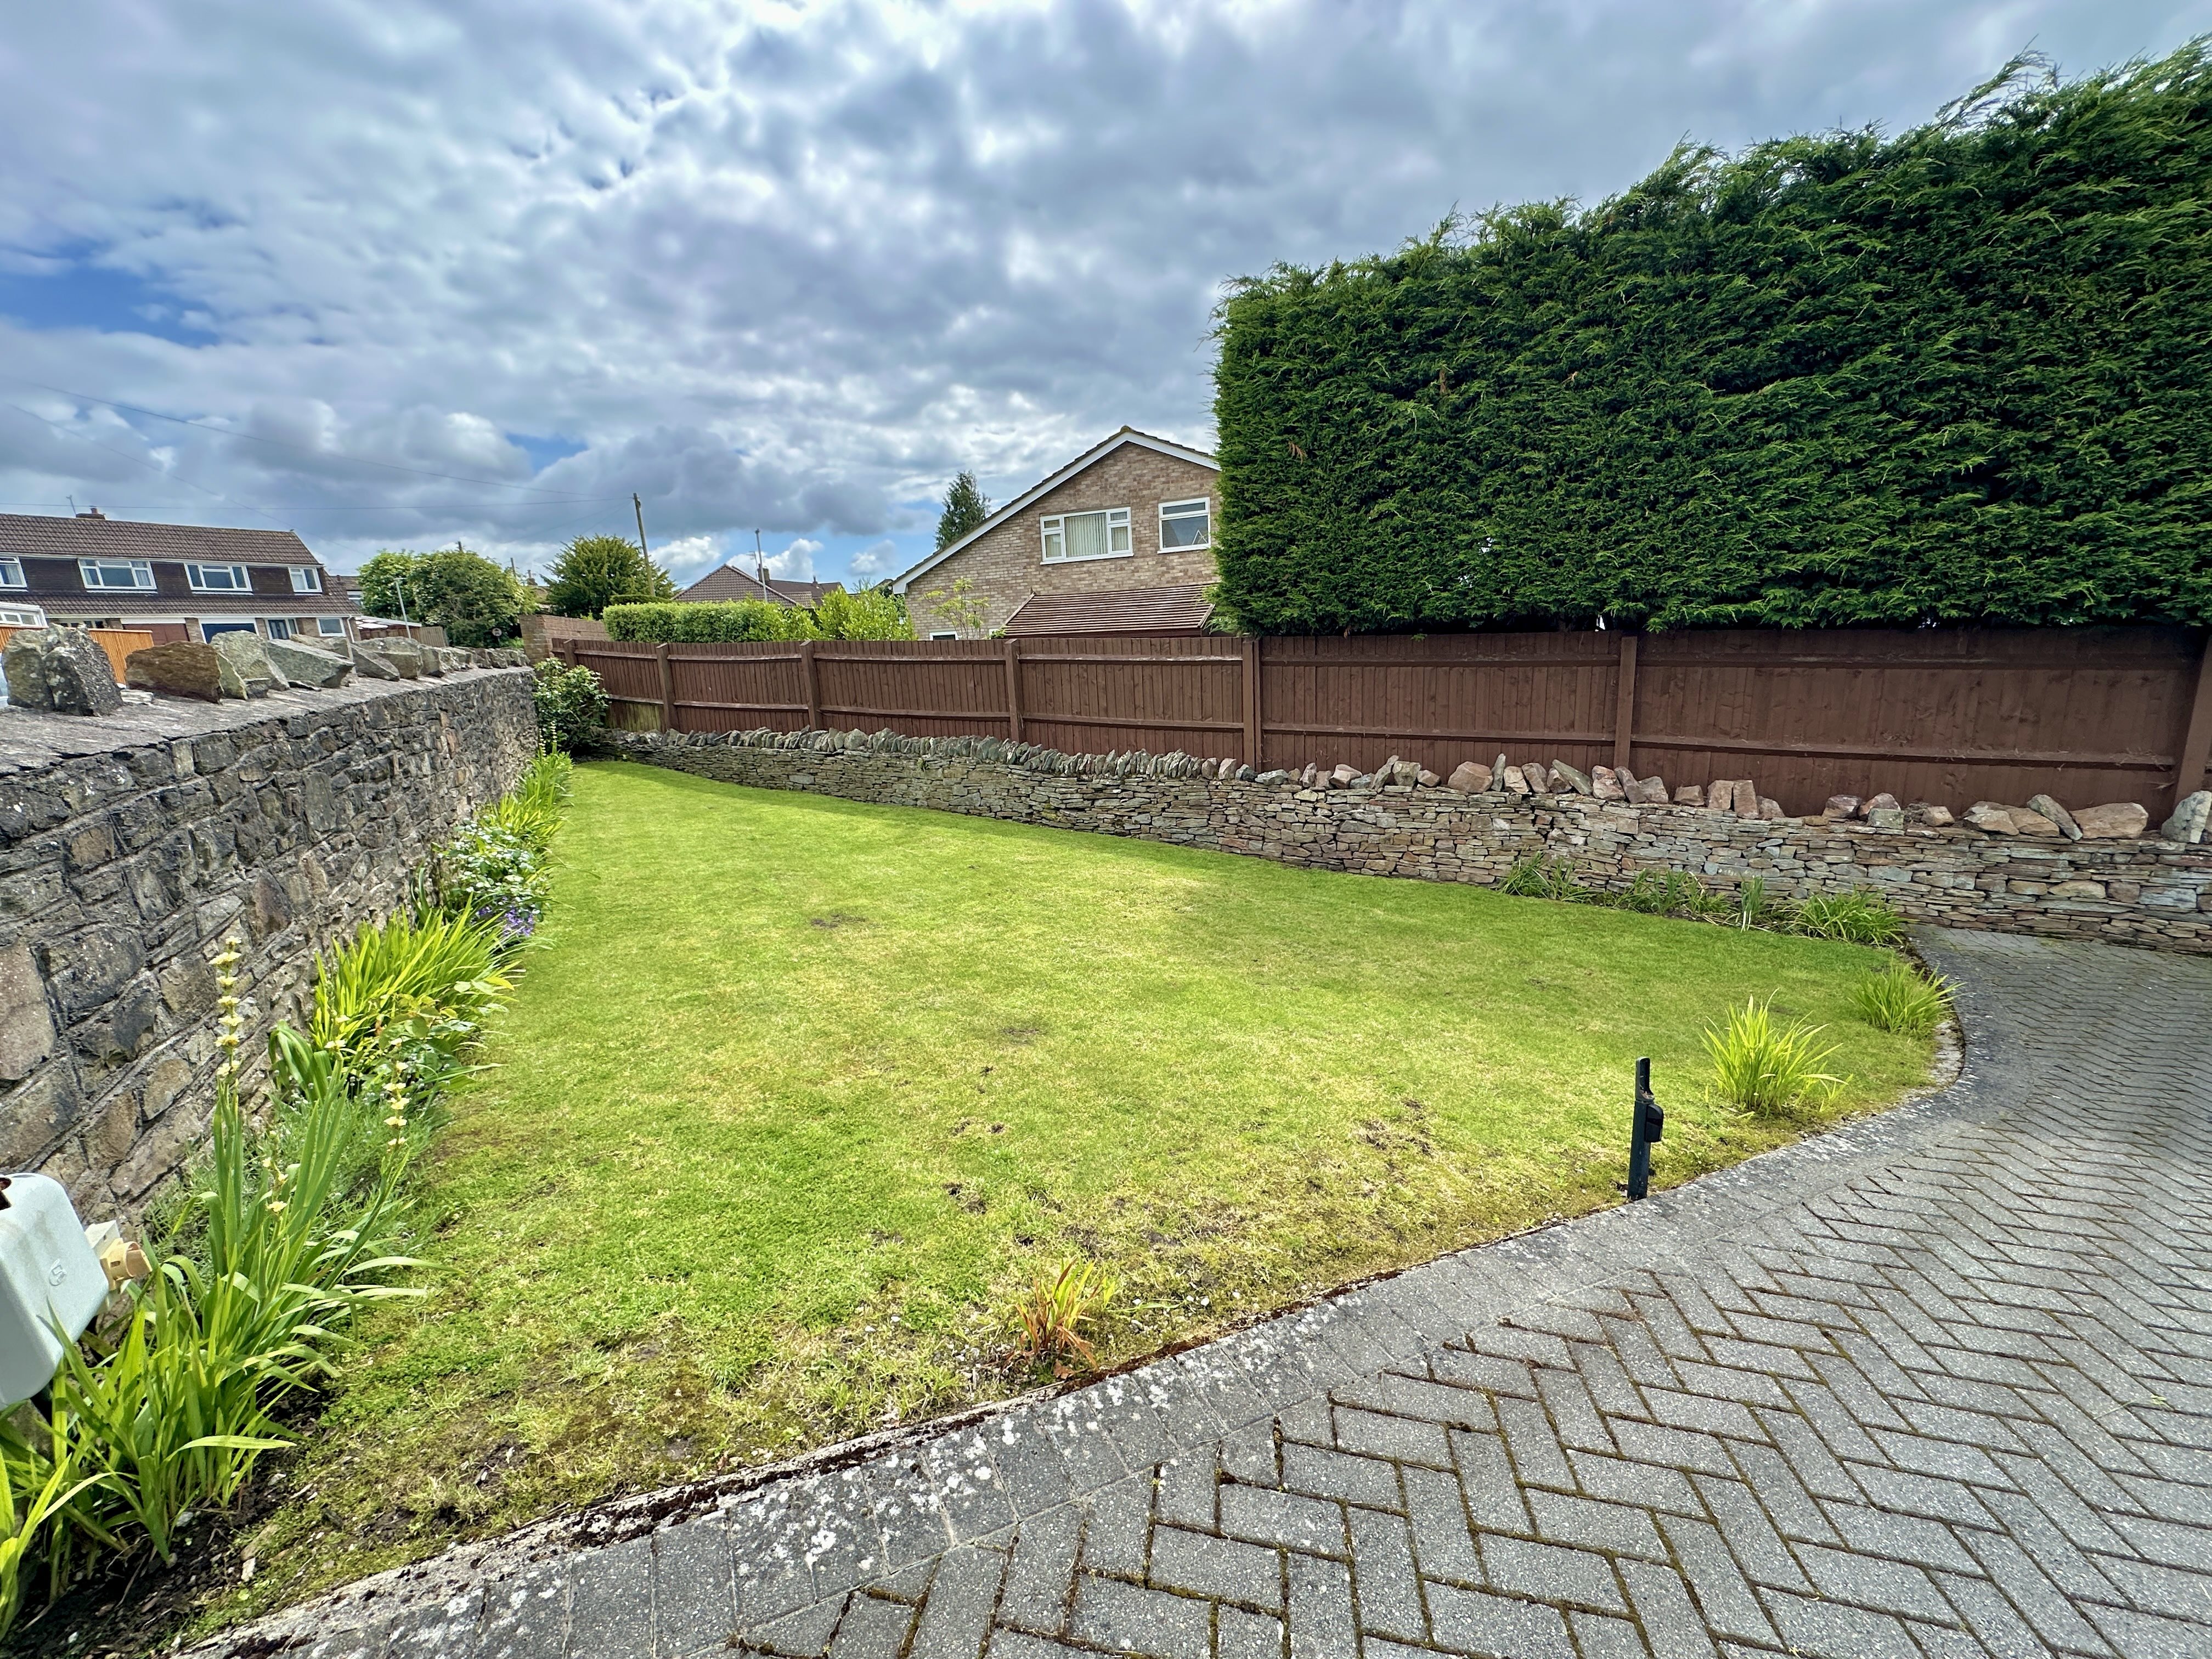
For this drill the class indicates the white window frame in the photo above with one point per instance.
(141, 574)
(11, 573)
(196, 578)
(949, 634)
(1202, 506)
(305, 578)
(276, 628)
(1053, 532)
(330, 627)
(22, 616)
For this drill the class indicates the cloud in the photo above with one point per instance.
(796, 563)
(413, 273)
(688, 557)
(876, 559)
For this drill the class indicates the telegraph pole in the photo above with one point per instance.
(639, 506)
(760, 566)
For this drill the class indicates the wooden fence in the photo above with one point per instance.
(1950, 716)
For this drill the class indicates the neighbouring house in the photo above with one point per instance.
(730, 582)
(175, 581)
(1119, 540)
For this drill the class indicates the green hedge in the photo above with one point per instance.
(1960, 375)
(874, 613)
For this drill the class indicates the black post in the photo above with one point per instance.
(1649, 1124)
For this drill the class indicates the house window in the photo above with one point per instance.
(1186, 526)
(330, 627)
(280, 627)
(305, 578)
(1071, 536)
(209, 630)
(22, 616)
(11, 573)
(217, 578)
(947, 635)
(116, 572)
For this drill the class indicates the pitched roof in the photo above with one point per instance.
(1091, 457)
(84, 536)
(142, 602)
(1123, 611)
(729, 582)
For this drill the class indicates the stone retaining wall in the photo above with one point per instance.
(130, 844)
(2144, 892)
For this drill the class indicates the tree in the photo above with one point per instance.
(594, 572)
(965, 508)
(474, 601)
(963, 604)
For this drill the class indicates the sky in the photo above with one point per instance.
(393, 274)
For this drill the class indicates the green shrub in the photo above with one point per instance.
(1859, 917)
(594, 572)
(1767, 1067)
(1902, 999)
(1955, 376)
(572, 705)
(875, 613)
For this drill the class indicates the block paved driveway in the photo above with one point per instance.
(1938, 1384)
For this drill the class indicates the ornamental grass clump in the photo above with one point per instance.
(1902, 999)
(1051, 1316)
(1857, 917)
(1768, 1068)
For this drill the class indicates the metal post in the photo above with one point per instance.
(1649, 1124)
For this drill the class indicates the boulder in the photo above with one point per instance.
(1649, 791)
(1469, 778)
(1516, 781)
(252, 674)
(1405, 772)
(1744, 796)
(2057, 814)
(1992, 816)
(60, 670)
(371, 664)
(1842, 807)
(1605, 784)
(404, 655)
(2190, 818)
(1886, 818)
(1882, 802)
(2119, 820)
(181, 670)
(1426, 779)
(1626, 780)
(1771, 810)
(308, 664)
(1577, 781)
(1690, 794)
(2027, 821)
(1498, 772)
(1342, 778)
(1935, 816)
(1310, 775)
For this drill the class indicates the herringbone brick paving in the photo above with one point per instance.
(1938, 1389)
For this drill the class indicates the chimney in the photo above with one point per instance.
(92, 513)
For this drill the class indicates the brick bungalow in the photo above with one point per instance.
(1119, 540)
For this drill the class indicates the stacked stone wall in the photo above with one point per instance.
(2144, 892)
(130, 845)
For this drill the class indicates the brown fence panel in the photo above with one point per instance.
(1950, 716)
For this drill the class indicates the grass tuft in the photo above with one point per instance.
(1767, 1067)
(1901, 999)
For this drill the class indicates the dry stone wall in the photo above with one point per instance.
(2144, 892)
(131, 844)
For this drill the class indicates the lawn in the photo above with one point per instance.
(796, 1094)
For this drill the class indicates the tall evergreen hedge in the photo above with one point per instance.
(1959, 375)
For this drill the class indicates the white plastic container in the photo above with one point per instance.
(48, 1271)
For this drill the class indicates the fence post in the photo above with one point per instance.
(2196, 738)
(1013, 689)
(667, 687)
(1254, 732)
(1623, 719)
(813, 677)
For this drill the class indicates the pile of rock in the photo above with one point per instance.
(2116, 821)
(235, 665)
(59, 671)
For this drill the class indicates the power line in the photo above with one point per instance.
(304, 449)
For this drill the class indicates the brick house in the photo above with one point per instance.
(175, 581)
(728, 581)
(1121, 539)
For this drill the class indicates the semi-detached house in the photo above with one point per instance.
(1119, 540)
(174, 581)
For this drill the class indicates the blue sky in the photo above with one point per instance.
(406, 274)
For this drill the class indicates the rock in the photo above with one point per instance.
(26, 1028)
(2190, 818)
(1537, 776)
(1884, 801)
(1578, 781)
(306, 664)
(1405, 772)
(59, 671)
(2057, 814)
(1770, 811)
(1841, 807)
(1649, 791)
(1690, 794)
(2077, 889)
(1498, 772)
(1469, 778)
(1388, 771)
(1275, 776)
(2121, 820)
(1744, 798)
(1935, 816)
(1515, 781)
(404, 655)
(2026, 821)
(1886, 818)
(179, 670)
(1426, 779)
(371, 664)
(1605, 784)
(1626, 780)
(1342, 778)
(1994, 817)
(253, 675)
(1310, 776)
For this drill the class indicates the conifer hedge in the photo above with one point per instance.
(1959, 375)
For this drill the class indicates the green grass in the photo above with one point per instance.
(795, 1096)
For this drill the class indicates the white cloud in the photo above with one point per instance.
(796, 563)
(876, 559)
(419, 273)
(688, 557)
